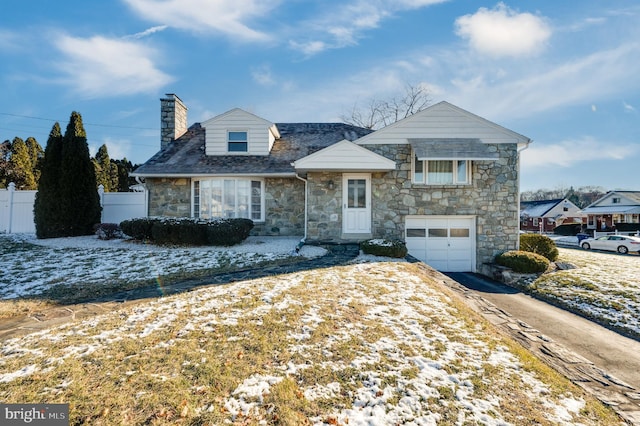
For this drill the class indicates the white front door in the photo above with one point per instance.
(356, 203)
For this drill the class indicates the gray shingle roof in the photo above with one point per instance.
(186, 155)
(537, 208)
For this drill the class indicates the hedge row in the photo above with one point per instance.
(218, 232)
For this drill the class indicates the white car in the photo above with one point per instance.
(620, 243)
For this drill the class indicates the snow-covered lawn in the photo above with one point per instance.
(31, 266)
(373, 343)
(604, 286)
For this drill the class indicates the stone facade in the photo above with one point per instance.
(492, 197)
(284, 208)
(284, 204)
(169, 197)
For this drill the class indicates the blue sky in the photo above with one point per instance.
(564, 73)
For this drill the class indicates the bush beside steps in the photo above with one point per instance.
(386, 248)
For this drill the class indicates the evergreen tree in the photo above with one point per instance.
(49, 223)
(20, 167)
(79, 201)
(106, 170)
(5, 149)
(36, 154)
(124, 168)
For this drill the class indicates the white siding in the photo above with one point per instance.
(259, 138)
(443, 120)
(345, 156)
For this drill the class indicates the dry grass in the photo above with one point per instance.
(317, 342)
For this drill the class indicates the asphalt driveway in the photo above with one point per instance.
(612, 360)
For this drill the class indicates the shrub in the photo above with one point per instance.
(227, 232)
(568, 229)
(108, 231)
(219, 232)
(523, 261)
(539, 244)
(138, 229)
(385, 248)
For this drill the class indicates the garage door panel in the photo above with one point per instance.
(447, 243)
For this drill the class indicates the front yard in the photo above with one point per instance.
(604, 287)
(372, 343)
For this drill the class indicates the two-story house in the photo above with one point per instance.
(443, 180)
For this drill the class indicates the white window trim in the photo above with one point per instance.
(227, 142)
(223, 178)
(425, 173)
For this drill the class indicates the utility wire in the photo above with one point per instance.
(86, 124)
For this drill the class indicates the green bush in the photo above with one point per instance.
(539, 244)
(523, 261)
(218, 232)
(385, 248)
(138, 229)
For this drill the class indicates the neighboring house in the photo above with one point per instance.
(443, 180)
(544, 216)
(612, 209)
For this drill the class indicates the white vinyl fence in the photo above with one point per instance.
(16, 208)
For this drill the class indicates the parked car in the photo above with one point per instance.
(620, 243)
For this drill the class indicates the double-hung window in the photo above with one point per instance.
(237, 141)
(441, 172)
(228, 198)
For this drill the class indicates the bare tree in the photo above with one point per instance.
(379, 113)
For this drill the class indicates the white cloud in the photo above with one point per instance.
(100, 66)
(263, 76)
(628, 108)
(547, 86)
(224, 16)
(503, 32)
(570, 152)
(343, 25)
(148, 32)
(594, 108)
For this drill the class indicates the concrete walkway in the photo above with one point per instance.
(601, 361)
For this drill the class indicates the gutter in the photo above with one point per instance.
(304, 238)
(518, 201)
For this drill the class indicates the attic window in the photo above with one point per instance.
(616, 200)
(237, 141)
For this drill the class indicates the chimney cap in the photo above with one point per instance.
(172, 96)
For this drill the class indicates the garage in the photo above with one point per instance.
(446, 243)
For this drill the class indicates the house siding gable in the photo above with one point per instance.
(260, 138)
(444, 121)
(344, 155)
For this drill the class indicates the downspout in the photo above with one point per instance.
(518, 200)
(304, 238)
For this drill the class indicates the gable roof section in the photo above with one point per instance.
(242, 113)
(344, 156)
(443, 121)
(537, 208)
(185, 157)
(629, 203)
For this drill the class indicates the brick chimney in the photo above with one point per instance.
(173, 119)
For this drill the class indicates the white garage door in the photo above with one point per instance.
(446, 243)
